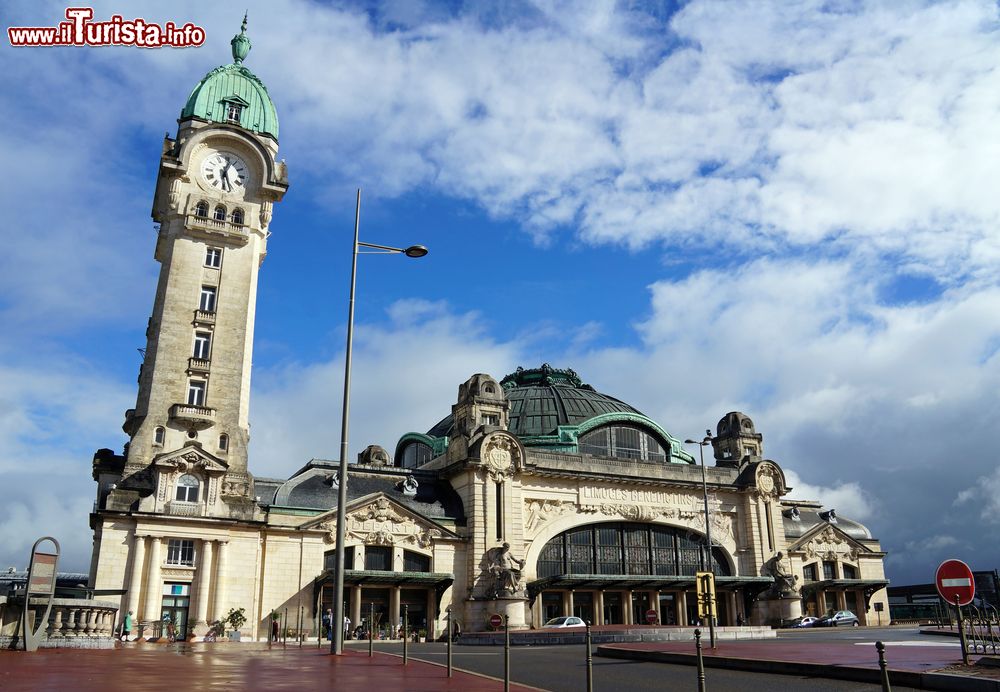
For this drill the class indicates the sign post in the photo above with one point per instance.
(41, 584)
(705, 585)
(955, 584)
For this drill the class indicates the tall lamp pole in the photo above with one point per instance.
(708, 521)
(337, 642)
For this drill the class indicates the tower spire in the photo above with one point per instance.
(241, 43)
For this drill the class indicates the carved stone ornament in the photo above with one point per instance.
(266, 210)
(830, 545)
(500, 457)
(539, 512)
(175, 194)
(768, 480)
(379, 523)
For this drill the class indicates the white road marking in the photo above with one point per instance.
(909, 643)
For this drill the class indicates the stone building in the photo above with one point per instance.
(537, 496)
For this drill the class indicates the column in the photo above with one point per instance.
(153, 587)
(431, 615)
(733, 611)
(536, 610)
(628, 608)
(682, 608)
(654, 604)
(355, 606)
(599, 608)
(394, 611)
(221, 566)
(569, 602)
(204, 580)
(135, 577)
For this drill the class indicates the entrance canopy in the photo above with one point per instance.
(439, 581)
(869, 585)
(636, 582)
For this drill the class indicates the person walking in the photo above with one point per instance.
(328, 623)
(347, 627)
(127, 626)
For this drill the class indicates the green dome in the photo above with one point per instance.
(232, 89)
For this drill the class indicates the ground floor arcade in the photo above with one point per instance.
(830, 595)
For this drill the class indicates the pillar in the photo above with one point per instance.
(394, 611)
(153, 586)
(356, 605)
(135, 578)
(682, 608)
(733, 611)
(599, 607)
(204, 580)
(628, 608)
(569, 602)
(221, 567)
(431, 616)
(536, 610)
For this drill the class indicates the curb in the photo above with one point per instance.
(925, 681)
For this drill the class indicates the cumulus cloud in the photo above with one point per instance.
(983, 498)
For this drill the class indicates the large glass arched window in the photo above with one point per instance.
(187, 488)
(628, 548)
(622, 442)
(416, 454)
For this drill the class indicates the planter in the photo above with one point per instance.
(234, 636)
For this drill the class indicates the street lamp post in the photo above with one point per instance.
(337, 642)
(708, 523)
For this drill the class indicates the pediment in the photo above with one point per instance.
(191, 458)
(377, 519)
(237, 100)
(826, 541)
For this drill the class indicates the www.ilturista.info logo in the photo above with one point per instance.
(79, 30)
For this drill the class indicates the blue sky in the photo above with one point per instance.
(788, 209)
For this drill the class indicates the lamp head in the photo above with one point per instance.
(415, 251)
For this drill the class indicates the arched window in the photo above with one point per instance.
(158, 435)
(223, 442)
(622, 442)
(201, 209)
(187, 488)
(238, 217)
(220, 213)
(416, 454)
(628, 548)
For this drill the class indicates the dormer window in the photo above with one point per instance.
(187, 488)
(233, 112)
(491, 419)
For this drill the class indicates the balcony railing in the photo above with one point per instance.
(215, 227)
(195, 416)
(198, 365)
(204, 317)
(186, 509)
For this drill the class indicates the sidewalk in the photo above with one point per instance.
(225, 666)
(924, 665)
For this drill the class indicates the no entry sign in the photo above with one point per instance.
(955, 582)
(651, 616)
(496, 620)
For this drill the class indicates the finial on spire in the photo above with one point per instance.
(240, 42)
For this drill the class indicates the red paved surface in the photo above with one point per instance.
(899, 656)
(230, 667)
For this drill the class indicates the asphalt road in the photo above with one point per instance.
(563, 668)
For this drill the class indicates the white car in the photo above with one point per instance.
(565, 622)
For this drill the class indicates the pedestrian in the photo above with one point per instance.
(328, 624)
(347, 627)
(274, 628)
(127, 626)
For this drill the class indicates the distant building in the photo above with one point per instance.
(537, 496)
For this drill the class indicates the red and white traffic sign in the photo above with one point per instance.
(651, 616)
(955, 582)
(496, 620)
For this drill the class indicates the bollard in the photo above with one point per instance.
(590, 662)
(880, 647)
(371, 630)
(506, 653)
(449, 641)
(284, 630)
(319, 627)
(299, 625)
(701, 663)
(406, 638)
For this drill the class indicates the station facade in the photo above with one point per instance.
(537, 496)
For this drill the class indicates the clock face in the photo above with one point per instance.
(225, 172)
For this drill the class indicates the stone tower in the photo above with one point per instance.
(217, 183)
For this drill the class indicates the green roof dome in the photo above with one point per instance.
(233, 94)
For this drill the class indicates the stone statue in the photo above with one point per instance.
(784, 580)
(506, 571)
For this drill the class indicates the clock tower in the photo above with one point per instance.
(217, 182)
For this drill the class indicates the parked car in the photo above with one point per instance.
(838, 619)
(565, 622)
(805, 621)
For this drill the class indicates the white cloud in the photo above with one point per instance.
(983, 498)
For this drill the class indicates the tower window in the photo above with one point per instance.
(223, 442)
(491, 419)
(202, 345)
(196, 393)
(201, 209)
(180, 552)
(207, 299)
(238, 217)
(213, 257)
(158, 435)
(233, 112)
(220, 213)
(187, 488)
